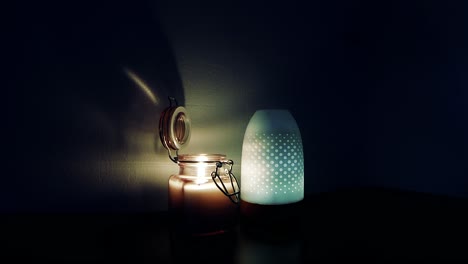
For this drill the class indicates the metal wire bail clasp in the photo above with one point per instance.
(235, 193)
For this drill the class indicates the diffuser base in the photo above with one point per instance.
(275, 220)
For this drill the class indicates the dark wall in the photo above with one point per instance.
(387, 86)
(83, 135)
(417, 115)
(377, 88)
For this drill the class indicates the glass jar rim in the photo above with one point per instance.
(201, 157)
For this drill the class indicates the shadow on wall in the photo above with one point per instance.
(90, 81)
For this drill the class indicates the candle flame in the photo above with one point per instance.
(201, 169)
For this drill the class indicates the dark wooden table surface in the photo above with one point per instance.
(354, 226)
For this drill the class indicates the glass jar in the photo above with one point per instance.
(203, 196)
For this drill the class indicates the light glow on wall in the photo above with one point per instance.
(142, 85)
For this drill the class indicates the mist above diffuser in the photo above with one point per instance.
(272, 171)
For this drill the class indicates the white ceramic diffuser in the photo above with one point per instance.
(272, 168)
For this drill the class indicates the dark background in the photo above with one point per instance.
(378, 89)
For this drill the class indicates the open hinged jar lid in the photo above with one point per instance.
(174, 128)
(174, 132)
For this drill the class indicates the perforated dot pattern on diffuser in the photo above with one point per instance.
(275, 167)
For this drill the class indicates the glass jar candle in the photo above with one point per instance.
(203, 196)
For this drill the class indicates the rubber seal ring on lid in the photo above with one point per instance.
(174, 128)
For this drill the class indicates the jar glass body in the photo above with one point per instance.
(196, 204)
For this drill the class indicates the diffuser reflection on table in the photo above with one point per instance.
(272, 173)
